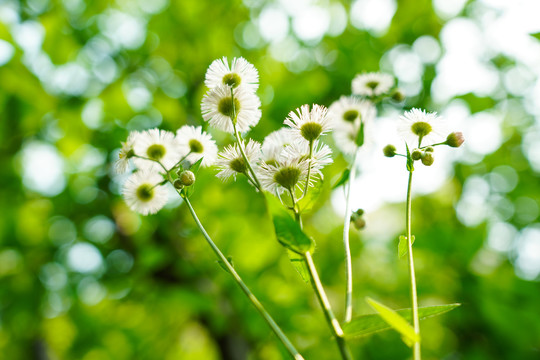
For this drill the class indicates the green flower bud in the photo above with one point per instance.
(186, 178)
(416, 154)
(398, 95)
(178, 184)
(358, 220)
(389, 150)
(455, 139)
(429, 149)
(428, 159)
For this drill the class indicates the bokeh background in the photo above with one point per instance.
(83, 277)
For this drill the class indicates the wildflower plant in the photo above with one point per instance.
(288, 169)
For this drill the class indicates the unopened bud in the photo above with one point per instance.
(186, 178)
(455, 139)
(398, 95)
(416, 154)
(178, 184)
(428, 159)
(429, 149)
(358, 220)
(389, 150)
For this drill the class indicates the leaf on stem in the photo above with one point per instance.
(410, 161)
(372, 323)
(223, 266)
(308, 201)
(195, 170)
(396, 321)
(299, 264)
(288, 231)
(403, 246)
(343, 179)
(360, 136)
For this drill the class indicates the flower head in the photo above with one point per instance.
(282, 175)
(348, 114)
(274, 144)
(309, 125)
(126, 153)
(221, 108)
(156, 145)
(240, 74)
(320, 156)
(143, 193)
(372, 84)
(418, 125)
(231, 162)
(198, 144)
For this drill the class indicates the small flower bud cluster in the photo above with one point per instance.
(357, 218)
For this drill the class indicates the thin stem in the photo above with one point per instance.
(318, 288)
(309, 170)
(346, 242)
(414, 297)
(282, 337)
(333, 323)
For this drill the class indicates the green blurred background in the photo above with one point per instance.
(83, 277)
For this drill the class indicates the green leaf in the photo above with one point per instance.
(299, 264)
(536, 35)
(368, 324)
(312, 195)
(223, 266)
(403, 246)
(343, 179)
(196, 166)
(395, 320)
(410, 161)
(360, 136)
(288, 231)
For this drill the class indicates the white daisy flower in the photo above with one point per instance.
(157, 145)
(274, 144)
(197, 144)
(347, 114)
(230, 161)
(143, 193)
(309, 125)
(418, 126)
(240, 74)
(217, 108)
(284, 175)
(126, 153)
(372, 84)
(320, 157)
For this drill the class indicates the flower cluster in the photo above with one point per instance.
(156, 154)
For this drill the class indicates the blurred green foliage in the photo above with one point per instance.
(75, 77)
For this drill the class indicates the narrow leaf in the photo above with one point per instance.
(410, 161)
(536, 36)
(223, 266)
(299, 264)
(288, 231)
(403, 246)
(343, 179)
(196, 166)
(395, 320)
(360, 136)
(368, 324)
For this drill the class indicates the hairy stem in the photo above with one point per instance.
(256, 303)
(346, 243)
(414, 297)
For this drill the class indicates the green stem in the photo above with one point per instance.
(414, 296)
(279, 333)
(248, 164)
(318, 288)
(346, 242)
(309, 170)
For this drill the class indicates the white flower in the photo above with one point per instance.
(126, 153)
(198, 144)
(157, 145)
(420, 126)
(218, 109)
(309, 125)
(348, 113)
(240, 74)
(372, 84)
(283, 175)
(143, 194)
(274, 143)
(230, 161)
(320, 156)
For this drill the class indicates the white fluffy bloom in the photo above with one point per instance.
(219, 109)
(198, 144)
(274, 144)
(372, 84)
(143, 194)
(347, 114)
(320, 156)
(309, 125)
(126, 153)
(418, 125)
(158, 145)
(240, 74)
(283, 175)
(230, 161)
